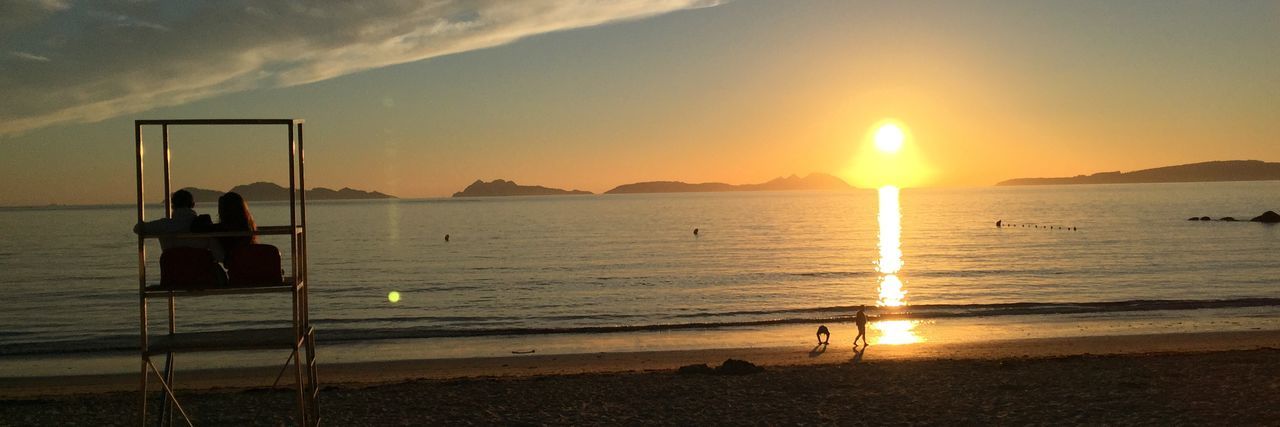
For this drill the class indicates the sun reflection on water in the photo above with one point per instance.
(891, 290)
(893, 332)
(891, 293)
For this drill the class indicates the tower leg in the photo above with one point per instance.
(302, 393)
(313, 389)
(166, 416)
(142, 411)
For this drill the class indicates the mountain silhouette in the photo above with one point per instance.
(502, 188)
(266, 191)
(1227, 170)
(815, 181)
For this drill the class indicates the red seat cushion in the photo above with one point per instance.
(255, 265)
(187, 268)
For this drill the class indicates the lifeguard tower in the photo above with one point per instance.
(298, 337)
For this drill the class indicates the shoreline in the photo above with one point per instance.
(924, 333)
(355, 374)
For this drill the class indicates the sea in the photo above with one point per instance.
(583, 274)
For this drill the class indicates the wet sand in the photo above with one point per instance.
(1205, 378)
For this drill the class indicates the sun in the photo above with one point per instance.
(888, 153)
(889, 138)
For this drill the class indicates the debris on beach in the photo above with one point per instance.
(729, 367)
(696, 369)
(737, 367)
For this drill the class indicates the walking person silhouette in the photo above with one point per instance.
(860, 319)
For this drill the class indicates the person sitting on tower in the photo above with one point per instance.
(181, 220)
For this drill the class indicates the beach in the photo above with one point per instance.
(639, 212)
(1219, 378)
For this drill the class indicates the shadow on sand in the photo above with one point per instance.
(857, 353)
(818, 350)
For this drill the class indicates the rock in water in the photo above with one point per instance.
(1270, 217)
(1194, 218)
(737, 367)
(1205, 218)
(1226, 218)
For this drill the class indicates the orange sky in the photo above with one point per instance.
(740, 92)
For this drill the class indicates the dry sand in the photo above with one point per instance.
(1221, 378)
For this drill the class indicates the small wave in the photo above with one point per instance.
(966, 273)
(93, 277)
(1005, 309)
(845, 313)
(104, 344)
(835, 274)
(841, 313)
(747, 319)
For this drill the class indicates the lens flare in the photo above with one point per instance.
(394, 297)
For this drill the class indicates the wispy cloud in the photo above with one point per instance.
(29, 56)
(16, 15)
(116, 58)
(126, 20)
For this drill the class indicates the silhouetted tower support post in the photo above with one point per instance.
(298, 337)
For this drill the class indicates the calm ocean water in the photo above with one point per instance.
(538, 265)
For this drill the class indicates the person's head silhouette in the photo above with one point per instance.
(233, 211)
(182, 199)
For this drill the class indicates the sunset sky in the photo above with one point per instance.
(420, 100)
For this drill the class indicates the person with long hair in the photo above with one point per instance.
(233, 215)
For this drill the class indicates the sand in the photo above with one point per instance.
(1195, 378)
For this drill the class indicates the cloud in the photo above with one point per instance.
(29, 56)
(98, 60)
(18, 14)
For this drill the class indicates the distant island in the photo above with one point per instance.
(501, 188)
(1228, 170)
(266, 191)
(816, 181)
